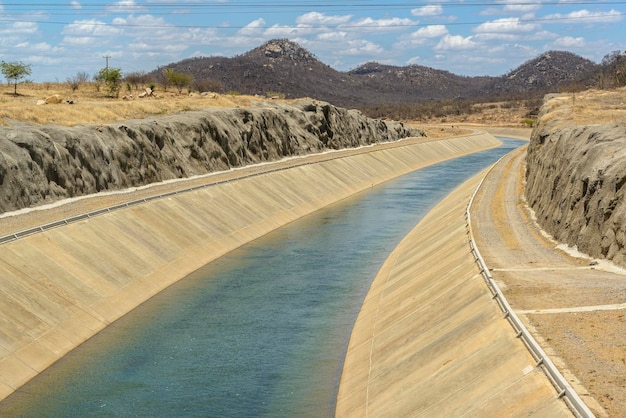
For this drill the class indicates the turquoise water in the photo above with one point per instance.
(261, 332)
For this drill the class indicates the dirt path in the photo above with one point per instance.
(574, 309)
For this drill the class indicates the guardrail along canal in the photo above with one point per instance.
(261, 331)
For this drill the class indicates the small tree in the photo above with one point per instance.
(178, 80)
(112, 79)
(75, 81)
(14, 71)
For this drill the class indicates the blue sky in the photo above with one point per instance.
(472, 37)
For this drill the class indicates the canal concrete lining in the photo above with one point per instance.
(431, 341)
(62, 286)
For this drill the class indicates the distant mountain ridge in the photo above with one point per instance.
(283, 67)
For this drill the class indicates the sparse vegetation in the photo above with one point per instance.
(89, 106)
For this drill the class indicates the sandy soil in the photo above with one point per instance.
(587, 344)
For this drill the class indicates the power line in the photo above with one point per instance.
(332, 26)
(290, 5)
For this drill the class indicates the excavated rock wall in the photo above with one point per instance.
(40, 164)
(575, 183)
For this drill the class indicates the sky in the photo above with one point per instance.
(59, 39)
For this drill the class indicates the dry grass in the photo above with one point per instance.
(91, 106)
(591, 107)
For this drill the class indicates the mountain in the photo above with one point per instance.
(276, 67)
(548, 72)
(282, 67)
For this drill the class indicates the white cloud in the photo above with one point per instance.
(254, 28)
(568, 42)
(144, 20)
(520, 7)
(362, 47)
(124, 6)
(140, 46)
(585, 16)
(286, 31)
(413, 61)
(75, 5)
(455, 42)
(422, 36)
(41, 47)
(79, 40)
(394, 23)
(320, 19)
(430, 31)
(516, 7)
(21, 28)
(430, 10)
(336, 36)
(91, 27)
(506, 26)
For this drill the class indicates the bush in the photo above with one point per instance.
(75, 81)
(178, 80)
(112, 79)
(208, 85)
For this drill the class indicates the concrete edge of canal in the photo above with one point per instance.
(62, 286)
(431, 341)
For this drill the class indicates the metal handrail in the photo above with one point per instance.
(563, 388)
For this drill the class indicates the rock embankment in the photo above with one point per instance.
(40, 164)
(575, 181)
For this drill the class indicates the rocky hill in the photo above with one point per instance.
(40, 164)
(548, 72)
(576, 173)
(282, 66)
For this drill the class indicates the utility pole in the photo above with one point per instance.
(106, 57)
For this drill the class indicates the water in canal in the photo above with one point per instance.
(261, 332)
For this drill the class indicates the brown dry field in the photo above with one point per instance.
(91, 106)
(590, 107)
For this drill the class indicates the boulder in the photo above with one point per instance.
(54, 99)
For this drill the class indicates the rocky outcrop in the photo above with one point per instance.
(575, 183)
(40, 164)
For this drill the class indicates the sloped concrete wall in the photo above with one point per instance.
(60, 287)
(430, 341)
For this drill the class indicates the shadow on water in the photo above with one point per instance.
(260, 332)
